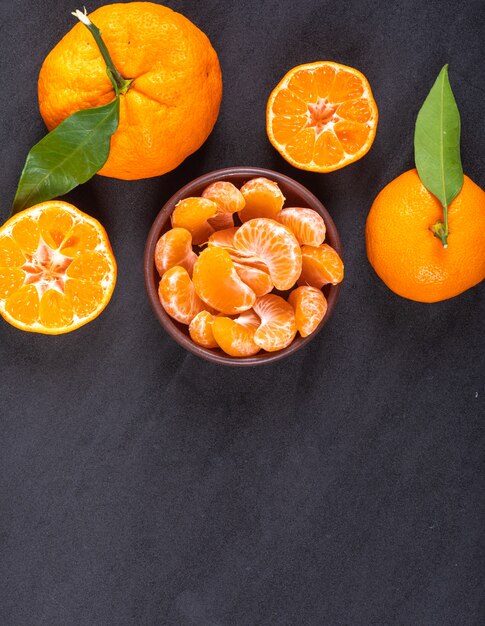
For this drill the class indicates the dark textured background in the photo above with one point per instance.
(343, 486)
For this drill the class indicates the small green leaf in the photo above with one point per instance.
(437, 143)
(68, 156)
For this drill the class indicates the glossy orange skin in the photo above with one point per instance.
(406, 255)
(172, 103)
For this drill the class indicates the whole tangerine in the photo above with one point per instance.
(406, 254)
(170, 105)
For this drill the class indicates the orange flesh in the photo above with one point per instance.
(57, 271)
(275, 245)
(236, 337)
(192, 214)
(278, 325)
(218, 284)
(263, 198)
(177, 295)
(226, 195)
(175, 248)
(200, 330)
(322, 116)
(307, 225)
(223, 238)
(310, 306)
(259, 280)
(320, 265)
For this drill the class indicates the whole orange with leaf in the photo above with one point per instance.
(408, 257)
(425, 232)
(170, 105)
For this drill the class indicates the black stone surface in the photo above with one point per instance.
(344, 486)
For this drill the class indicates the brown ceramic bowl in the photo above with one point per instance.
(296, 195)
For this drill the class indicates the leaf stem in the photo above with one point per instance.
(440, 229)
(120, 84)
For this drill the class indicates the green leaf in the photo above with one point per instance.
(437, 143)
(68, 156)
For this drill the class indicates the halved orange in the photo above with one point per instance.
(57, 269)
(322, 116)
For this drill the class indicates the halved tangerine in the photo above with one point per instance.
(310, 306)
(217, 282)
(275, 245)
(177, 295)
(175, 248)
(236, 336)
(192, 214)
(322, 116)
(57, 269)
(278, 326)
(320, 265)
(306, 224)
(200, 330)
(263, 198)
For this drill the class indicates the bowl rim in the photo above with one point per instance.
(149, 265)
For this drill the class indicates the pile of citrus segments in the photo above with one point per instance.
(230, 258)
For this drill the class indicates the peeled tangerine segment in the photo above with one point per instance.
(259, 280)
(177, 295)
(217, 282)
(226, 195)
(263, 199)
(221, 221)
(236, 337)
(223, 238)
(275, 245)
(192, 214)
(278, 324)
(320, 265)
(306, 224)
(175, 248)
(200, 330)
(310, 306)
